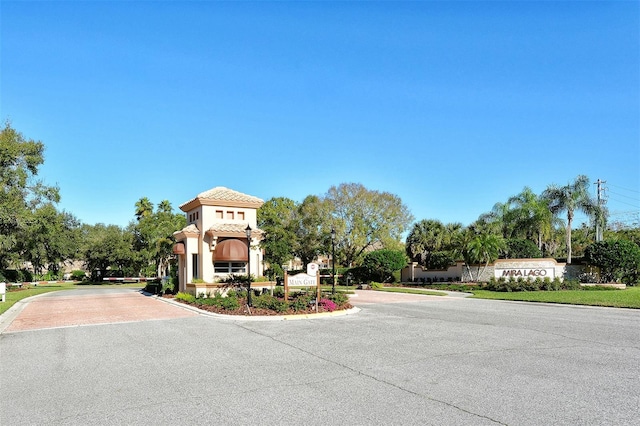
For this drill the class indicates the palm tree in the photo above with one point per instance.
(571, 197)
(165, 207)
(425, 238)
(532, 215)
(451, 232)
(482, 248)
(501, 216)
(477, 245)
(144, 208)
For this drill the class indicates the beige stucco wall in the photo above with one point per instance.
(204, 245)
(460, 272)
(415, 272)
(185, 270)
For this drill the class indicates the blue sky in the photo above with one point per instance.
(452, 106)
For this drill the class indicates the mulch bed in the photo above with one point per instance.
(242, 310)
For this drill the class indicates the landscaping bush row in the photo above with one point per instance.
(523, 284)
(298, 302)
(453, 286)
(15, 275)
(509, 285)
(24, 275)
(429, 280)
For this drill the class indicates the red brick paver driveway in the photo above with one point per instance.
(67, 310)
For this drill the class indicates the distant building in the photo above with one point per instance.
(214, 244)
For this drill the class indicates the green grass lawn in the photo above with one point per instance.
(628, 298)
(14, 296)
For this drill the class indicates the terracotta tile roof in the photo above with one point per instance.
(191, 229)
(233, 228)
(220, 193)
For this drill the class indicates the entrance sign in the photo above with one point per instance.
(529, 273)
(302, 280)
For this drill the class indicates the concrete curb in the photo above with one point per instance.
(294, 317)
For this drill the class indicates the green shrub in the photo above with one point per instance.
(185, 297)
(338, 298)
(556, 284)
(497, 284)
(376, 285)
(266, 301)
(546, 283)
(357, 274)
(571, 285)
(599, 288)
(301, 302)
(618, 260)
(523, 284)
(278, 291)
(207, 301)
(168, 287)
(231, 303)
(17, 275)
(52, 276)
(78, 275)
(379, 265)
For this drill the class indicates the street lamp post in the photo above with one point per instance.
(247, 231)
(333, 260)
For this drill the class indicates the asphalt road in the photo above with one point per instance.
(435, 361)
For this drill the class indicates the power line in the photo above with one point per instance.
(626, 189)
(624, 213)
(625, 196)
(624, 202)
(628, 218)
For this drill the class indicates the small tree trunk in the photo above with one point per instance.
(469, 271)
(568, 237)
(483, 269)
(540, 241)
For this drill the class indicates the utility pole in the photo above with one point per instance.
(601, 202)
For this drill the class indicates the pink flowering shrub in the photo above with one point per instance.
(328, 305)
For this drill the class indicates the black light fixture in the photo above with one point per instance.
(247, 232)
(333, 260)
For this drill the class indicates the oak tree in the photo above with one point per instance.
(365, 219)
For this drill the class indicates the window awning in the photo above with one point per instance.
(231, 250)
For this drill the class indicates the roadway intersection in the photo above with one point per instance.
(427, 360)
